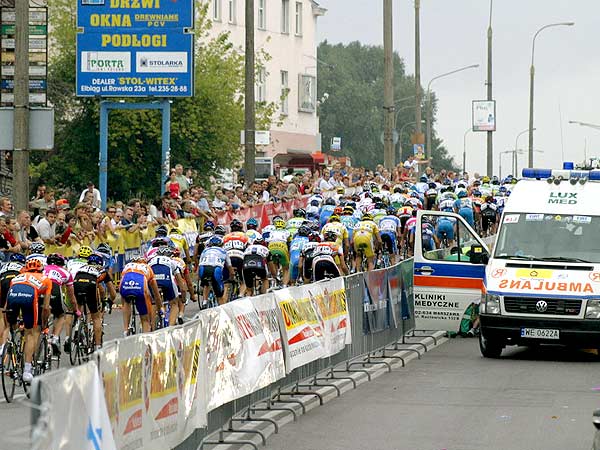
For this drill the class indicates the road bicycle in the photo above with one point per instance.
(82, 338)
(13, 362)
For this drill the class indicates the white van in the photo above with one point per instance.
(541, 283)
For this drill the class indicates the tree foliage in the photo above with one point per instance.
(352, 76)
(204, 128)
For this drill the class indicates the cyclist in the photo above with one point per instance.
(278, 249)
(213, 261)
(339, 229)
(170, 283)
(397, 198)
(305, 264)
(252, 229)
(61, 279)
(328, 258)
(181, 243)
(379, 211)
(296, 222)
(464, 207)
(84, 252)
(489, 213)
(137, 281)
(366, 241)
(10, 270)
(220, 230)
(431, 195)
(106, 252)
(86, 282)
(255, 265)
(36, 251)
(29, 295)
(429, 240)
(326, 211)
(296, 246)
(187, 278)
(208, 231)
(234, 244)
(390, 229)
(161, 236)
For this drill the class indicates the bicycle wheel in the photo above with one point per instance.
(10, 372)
(41, 357)
(74, 350)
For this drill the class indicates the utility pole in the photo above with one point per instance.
(490, 134)
(388, 49)
(418, 73)
(21, 102)
(249, 100)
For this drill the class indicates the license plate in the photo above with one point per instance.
(540, 333)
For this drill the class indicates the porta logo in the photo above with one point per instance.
(562, 198)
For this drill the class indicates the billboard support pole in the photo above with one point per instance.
(165, 107)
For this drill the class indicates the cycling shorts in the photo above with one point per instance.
(254, 267)
(389, 241)
(57, 305)
(325, 267)
(5, 286)
(294, 260)
(86, 293)
(134, 289)
(279, 252)
(428, 244)
(307, 270)
(445, 227)
(237, 264)
(363, 242)
(212, 276)
(467, 214)
(21, 299)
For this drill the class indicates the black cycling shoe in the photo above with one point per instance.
(67, 345)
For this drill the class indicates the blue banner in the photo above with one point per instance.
(131, 14)
(135, 65)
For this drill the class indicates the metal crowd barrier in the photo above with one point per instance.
(366, 350)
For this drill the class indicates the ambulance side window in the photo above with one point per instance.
(437, 237)
(465, 239)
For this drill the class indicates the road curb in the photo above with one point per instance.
(396, 359)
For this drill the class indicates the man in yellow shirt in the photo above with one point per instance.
(340, 230)
(366, 241)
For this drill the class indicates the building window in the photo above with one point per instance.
(216, 6)
(285, 90)
(285, 16)
(261, 85)
(299, 18)
(231, 10)
(262, 14)
(307, 93)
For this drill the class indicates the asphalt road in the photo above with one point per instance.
(15, 417)
(453, 399)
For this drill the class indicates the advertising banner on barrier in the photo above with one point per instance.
(75, 414)
(376, 301)
(301, 331)
(394, 279)
(329, 301)
(408, 301)
(244, 352)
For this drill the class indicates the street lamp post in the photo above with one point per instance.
(516, 147)
(400, 135)
(531, 83)
(490, 134)
(464, 165)
(429, 113)
(585, 124)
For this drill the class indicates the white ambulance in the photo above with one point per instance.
(541, 282)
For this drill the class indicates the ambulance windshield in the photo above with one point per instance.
(549, 237)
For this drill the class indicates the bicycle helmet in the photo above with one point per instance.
(39, 247)
(17, 257)
(379, 205)
(175, 231)
(485, 179)
(85, 251)
(367, 216)
(340, 190)
(279, 222)
(236, 225)
(423, 179)
(260, 241)
(314, 237)
(105, 249)
(461, 194)
(252, 224)
(330, 201)
(161, 231)
(300, 212)
(303, 231)
(95, 260)
(414, 194)
(209, 226)
(34, 265)
(330, 236)
(375, 189)
(220, 230)
(215, 241)
(334, 218)
(165, 251)
(391, 210)
(314, 226)
(314, 203)
(348, 210)
(160, 242)
(56, 259)
(138, 258)
(476, 192)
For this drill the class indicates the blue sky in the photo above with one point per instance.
(453, 34)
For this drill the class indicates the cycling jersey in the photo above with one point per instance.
(86, 282)
(445, 228)
(293, 224)
(388, 227)
(201, 241)
(210, 271)
(255, 264)
(180, 242)
(73, 265)
(349, 221)
(339, 229)
(364, 234)
(134, 286)
(60, 277)
(7, 273)
(295, 250)
(252, 235)
(164, 269)
(323, 264)
(326, 213)
(427, 233)
(235, 243)
(446, 204)
(24, 296)
(308, 254)
(278, 246)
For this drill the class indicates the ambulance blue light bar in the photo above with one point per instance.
(591, 175)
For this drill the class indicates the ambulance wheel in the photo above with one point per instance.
(490, 348)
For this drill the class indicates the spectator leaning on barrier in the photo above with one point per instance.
(96, 199)
(46, 227)
(27, 232)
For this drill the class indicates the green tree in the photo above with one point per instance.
(352, 76)
(204, 128)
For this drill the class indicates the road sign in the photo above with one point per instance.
(484, 115)
(261, 137)
(336, 143)
(34, 30)
(135, 48)
(33, 84)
